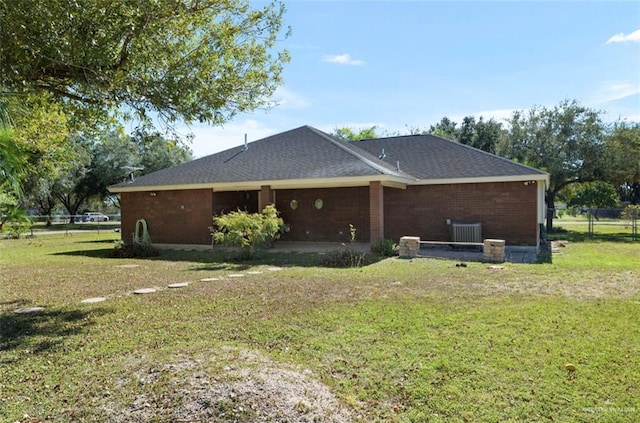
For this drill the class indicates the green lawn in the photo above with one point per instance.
(398, 340)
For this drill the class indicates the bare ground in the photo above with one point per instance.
(251, 389)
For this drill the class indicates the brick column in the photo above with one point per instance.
(266, 197)
(493, 250)
(376, 212)
(409, 246)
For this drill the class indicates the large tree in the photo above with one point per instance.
(567, 141)
(156, 152)
(485, 135)
(446, 128)
(111, 158)
(623, 148)
(191, 60)
(347, 133)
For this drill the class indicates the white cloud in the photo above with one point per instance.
(499, 115)
(213, 139)
(632, 37)
(287, 99)
(612, 91)
(343, 59)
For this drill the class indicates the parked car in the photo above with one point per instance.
(94, 217)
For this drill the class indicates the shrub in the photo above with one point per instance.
(347, 257)
(133, 250)
(15, 222)
(248, 230)
(344, 258)
(386, 248)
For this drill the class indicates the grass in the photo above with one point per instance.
(398, 340)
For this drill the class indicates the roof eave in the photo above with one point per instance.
(544, 177)
(393, 181)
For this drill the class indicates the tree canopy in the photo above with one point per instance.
(349, 134)
(623, 148)
(567, 141)
(181, 59)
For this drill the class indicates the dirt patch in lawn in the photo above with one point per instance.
(229, 385)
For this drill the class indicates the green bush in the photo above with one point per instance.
(386, 248)
(347, 257)
(15, 222)
(133, 250)
(344, 258)
(248, 230)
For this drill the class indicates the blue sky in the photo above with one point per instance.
(407, 64)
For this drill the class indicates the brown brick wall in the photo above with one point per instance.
(506, 210)
(341, 207)
(228, 201)
(173, 217)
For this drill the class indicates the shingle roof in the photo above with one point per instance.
(300, 153)
(432, 157)
(307, 153)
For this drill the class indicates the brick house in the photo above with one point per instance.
(386, 188)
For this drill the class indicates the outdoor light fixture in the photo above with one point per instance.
(153, 194)
(318, 203)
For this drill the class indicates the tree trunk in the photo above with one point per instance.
(551, 210)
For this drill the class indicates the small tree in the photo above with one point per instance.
(248, 230)
(594, 195)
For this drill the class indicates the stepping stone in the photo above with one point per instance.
(274, 269)
(236, 275)
(178, 285)
(128, 266)
(254, 272)
(145, 291)
(209, 279)
(496, 267)
(93, 300)
(29, 310)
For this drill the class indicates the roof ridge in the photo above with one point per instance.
(360, 154)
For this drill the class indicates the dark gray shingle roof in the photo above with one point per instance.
(432, 157)
(307, 153)
(301, 153)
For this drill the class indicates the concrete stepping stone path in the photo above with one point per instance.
(29, 310)
(209, 279)
(143, 291)
(93, 300)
